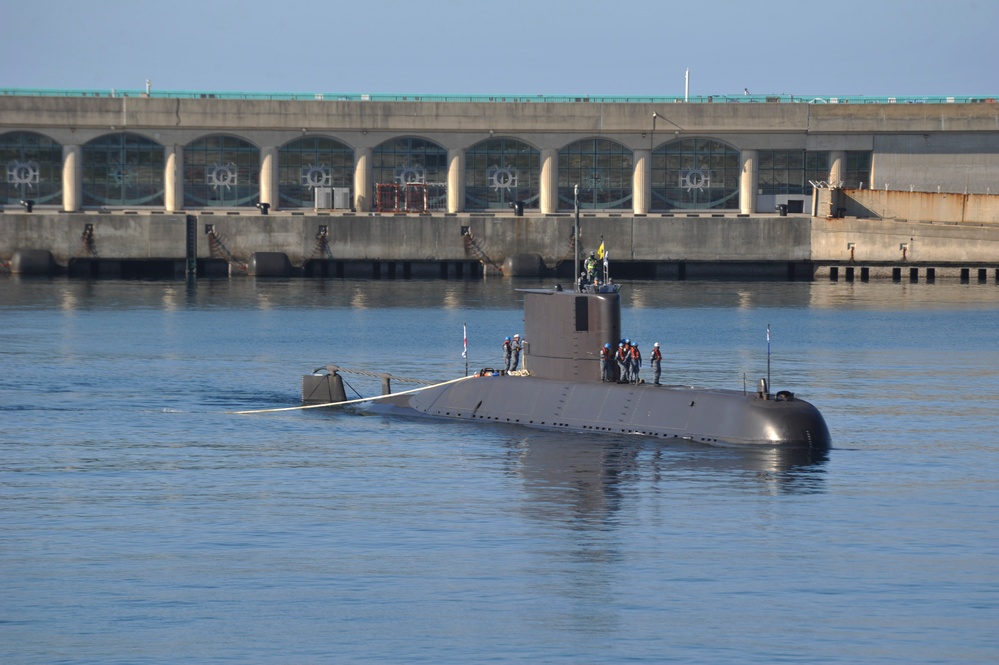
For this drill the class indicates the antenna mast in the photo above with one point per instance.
(575, 237)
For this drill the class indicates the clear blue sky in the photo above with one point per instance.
(529, 47)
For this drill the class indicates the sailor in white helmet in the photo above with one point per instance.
(515, 362)
(656, 360)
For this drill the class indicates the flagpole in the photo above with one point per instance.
(768, 357)
(600, 255)
(464, 339)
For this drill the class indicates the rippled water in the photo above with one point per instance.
(143, 522)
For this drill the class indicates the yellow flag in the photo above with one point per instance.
(600, 250)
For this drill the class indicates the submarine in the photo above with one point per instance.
(561, 387)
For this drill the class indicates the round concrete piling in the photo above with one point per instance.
(268, 264)
(524, 265)
(32, 262)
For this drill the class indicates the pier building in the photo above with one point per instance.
(666, 159)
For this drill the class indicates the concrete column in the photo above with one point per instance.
(837, 167)
(748, 181)
(72, 178)
(549, 181)
(269, 177)
(362, 180)
(173, 178)
(456, 180)
(642, 182)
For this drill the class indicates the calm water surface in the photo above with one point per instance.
(144, 522)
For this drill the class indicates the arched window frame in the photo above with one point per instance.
(604, 171)
(501, 171)
(695, 173)
(122, 169)
(310, 162)
(221, 170)
(32, 167)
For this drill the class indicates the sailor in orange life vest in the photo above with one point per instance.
(636, 363)
(606, 358)
(507, 350)
(656, 360)
(629, 365)
(623, 361)
(516, 353)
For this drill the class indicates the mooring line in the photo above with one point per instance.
(352, 401)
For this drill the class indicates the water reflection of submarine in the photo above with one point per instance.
(563, 390)
(568, 478)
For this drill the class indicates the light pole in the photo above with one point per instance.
(656, 116)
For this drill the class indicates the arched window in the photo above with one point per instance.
(32, 166)
(407, 160)
(695, 173)
(501, 171)
(604, 171)
(310, 162)
(122, 170)
(221, 171)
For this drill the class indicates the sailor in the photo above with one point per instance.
(629, 365)
(636, 362)
(507, 351)
(591, 268)
(656, 360)
(622, 363)
(606, 358)
(582, 281)
(515, 361)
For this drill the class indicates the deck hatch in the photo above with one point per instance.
(582, 314)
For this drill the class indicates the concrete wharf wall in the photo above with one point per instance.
(921, 206)
(667, 246)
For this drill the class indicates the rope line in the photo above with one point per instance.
(472, 245)
(322, 246)
(351, 401)
(218, 248)
(572, 247)
(343, 370)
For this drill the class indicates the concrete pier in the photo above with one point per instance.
(404, 246)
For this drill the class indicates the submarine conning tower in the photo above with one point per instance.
(565, 330)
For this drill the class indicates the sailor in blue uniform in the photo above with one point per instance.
(515, 362)
(606, 357)
(629, 364)
(622, 362)
(636, 363)
(507, 351)
(656, 360)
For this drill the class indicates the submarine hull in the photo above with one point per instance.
(713, 416)
(565, 332)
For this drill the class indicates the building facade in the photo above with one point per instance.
(80, 151)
